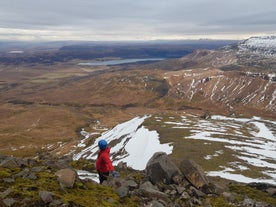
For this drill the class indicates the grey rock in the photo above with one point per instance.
(9, 201)
(148, 185)
(196, 201)
(160, 168)
(271, 191)
(38, 169)
(228, 196)
(132, 184)
(9, 180)
(5, 193)
(149, 190)
(197, 193)
(56, 202)
(24, 173)
(180, 180)
(31, 176)
(122, 191)
(180, 189)
(122, 165)
(10, 162)
(185, 195)
(2, 158)
(22, 162)
(155, 203)
(115, 182)
(248, 202)
(46, 196)
(66, 177)
(193, 173)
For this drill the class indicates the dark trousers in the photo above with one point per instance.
(103, 176)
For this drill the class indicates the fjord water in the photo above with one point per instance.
(119, 61)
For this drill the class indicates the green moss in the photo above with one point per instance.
(253, 193)
(94, 195)
(219, 202)
(83, 164)
(24, 188)
(5, 172)
(47, 181)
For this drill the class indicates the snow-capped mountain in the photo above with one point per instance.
(258, 52)
(265, 46)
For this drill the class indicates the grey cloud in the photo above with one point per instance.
(149, 17)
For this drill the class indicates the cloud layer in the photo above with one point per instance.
(128, 19)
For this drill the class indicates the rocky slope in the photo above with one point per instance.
(49, 181)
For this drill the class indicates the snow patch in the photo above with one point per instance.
(135, 143)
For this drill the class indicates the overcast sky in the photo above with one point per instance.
(135, 19)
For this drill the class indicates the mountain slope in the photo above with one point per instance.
(236, 78)
(240, 149)
(233, 90)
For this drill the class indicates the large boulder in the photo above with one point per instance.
(160, 168)
(66, 177)
(193, 173)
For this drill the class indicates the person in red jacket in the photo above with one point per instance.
(103, 163)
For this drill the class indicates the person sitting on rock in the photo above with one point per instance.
(103, 163)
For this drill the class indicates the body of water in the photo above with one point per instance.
(119, 61)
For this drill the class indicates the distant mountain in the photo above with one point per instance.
(236, 77)
(263, 46)
(259, 52)
(53, 52)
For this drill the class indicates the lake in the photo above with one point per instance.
(119, 61)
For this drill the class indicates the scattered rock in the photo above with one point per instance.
(164, 185)
(151, 191)
(10, 162)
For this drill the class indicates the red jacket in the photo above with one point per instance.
(103, 162)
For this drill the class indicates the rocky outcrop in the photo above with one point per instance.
(165, 184)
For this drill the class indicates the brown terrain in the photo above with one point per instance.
(45, 106)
